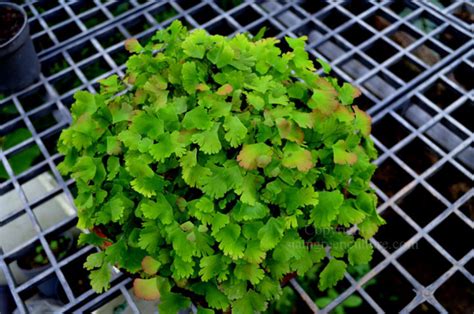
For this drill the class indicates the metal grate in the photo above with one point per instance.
(413, 62)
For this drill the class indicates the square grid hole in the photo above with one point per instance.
(42, 42)
(450, 182)
(406, 69)
(38, 185)
(332, 48)
(312, 6)
(8, 112)
(380, 50)
(379, 20)
(67, 31)
(226, 5)
(464, 114)
(224, 28)
(453, 234)
(54, 210)
(81, 6)
(463, 75)
(424, 262)
(452, 38)
(381, 85)
(468, 209)
(454, 294)
(418, 155)
(163, 13)
(95, 68)
(395, 233)
(357, 7)
(429, 53)
(404, 36)
(421, 205)
(94, 19)
(137, 25)
(442, 94)
(425, 22)
(66, 82)
(24, 159)
(34, 98)
(77, 276)
(54, 64)
(466, 157)
(204, 14)
(110, 38)
(314, 32)
(55, 17)
(82, 51)
(402, 8)
(334, 18)
(119, 7)
(356, 34)
(46, 118)
(356, 66)
(465, 13)
(246, 15)
(391, 290)
(416, 112)
(446, 135)
(390, 177)
(389, 131)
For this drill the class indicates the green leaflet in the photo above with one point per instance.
(230, 241)
(271, 233)
(332, 273)
(327, 208)
(208, 141)
(214, 266)
(100, 278)
(210, 162)
(360, 252)
(236, 131)
(250, 272)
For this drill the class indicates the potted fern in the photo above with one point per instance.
(217, 167)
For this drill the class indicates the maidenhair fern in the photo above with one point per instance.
(216, 167)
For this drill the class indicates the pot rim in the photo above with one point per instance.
(23, 26)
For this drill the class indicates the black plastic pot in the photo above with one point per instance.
(19, 64)
(6, 300)
(49, 287)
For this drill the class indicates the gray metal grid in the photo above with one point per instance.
(412, 62)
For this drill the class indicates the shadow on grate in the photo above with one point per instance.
(396, 233)
(424, 263)
(421, 205)
(391, 289)
(455, 293)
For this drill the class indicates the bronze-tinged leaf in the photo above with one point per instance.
(290, 131)
(295, 156)
(150, 265)
(343, 114)
(255, 155)
(225, 90)
(202, 87)
(347, 93)
(341, 155)
(362, 121)
(146, 289)
(132, 45)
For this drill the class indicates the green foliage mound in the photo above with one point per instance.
(216, 167)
